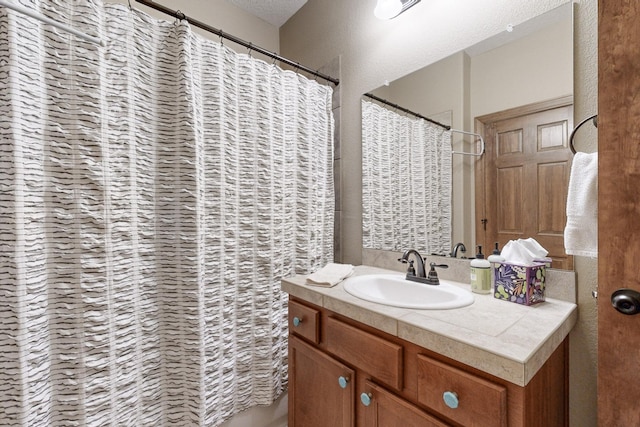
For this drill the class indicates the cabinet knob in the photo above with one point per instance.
(297, 321)
(450, 399)
(365, 398)
(343, 381)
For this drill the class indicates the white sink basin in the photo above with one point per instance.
(395, 290)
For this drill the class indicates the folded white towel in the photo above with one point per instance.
(581, 231)
(330, 275)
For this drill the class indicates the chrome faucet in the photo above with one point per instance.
(454, 251)
(412, 273)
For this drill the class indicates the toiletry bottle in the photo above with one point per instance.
(480, 274)
(495, 259)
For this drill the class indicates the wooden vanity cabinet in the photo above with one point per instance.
(344, 373)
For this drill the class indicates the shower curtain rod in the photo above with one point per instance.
(464, 153)
(181, 16)
(404, 110)
(47, 20)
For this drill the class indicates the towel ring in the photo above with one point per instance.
(573, 132)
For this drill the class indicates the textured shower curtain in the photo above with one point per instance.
(406, 182)
(153, 192)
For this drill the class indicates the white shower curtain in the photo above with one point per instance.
(153, 192)
(406, 182)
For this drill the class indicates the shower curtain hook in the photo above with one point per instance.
(249, 49)
(130, 7)
(180, 16)
(220, 33)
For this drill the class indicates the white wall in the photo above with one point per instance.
(373, 51)
(535, 68)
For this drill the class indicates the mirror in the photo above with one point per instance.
(530, 64)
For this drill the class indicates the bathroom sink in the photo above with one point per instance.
(395, 290)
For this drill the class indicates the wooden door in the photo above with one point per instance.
(522, 189)
(316, 398)
(388, 410)
(618, 210)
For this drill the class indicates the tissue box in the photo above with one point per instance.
(518, 283)
(546, 261)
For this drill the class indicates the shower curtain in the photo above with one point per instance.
(153, 192)
(406, 182)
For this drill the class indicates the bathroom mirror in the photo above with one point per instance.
(528, 63)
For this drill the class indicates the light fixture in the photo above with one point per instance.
(389, 9)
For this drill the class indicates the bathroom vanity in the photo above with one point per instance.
(358, 363)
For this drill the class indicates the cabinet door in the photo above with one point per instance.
(388, 410)
(321, 389)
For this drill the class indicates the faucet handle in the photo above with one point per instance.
(411, 271)
(433, 264)
(432, 276)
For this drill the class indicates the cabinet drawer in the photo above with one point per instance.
(304, 321)
(480, 402)
(376, 356)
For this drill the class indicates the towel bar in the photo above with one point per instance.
(573, 132)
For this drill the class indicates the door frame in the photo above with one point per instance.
(483, 126)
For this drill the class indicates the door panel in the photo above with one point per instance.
(618, 209)
(525, 177)
(509, 208)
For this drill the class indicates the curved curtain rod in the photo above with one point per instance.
(404, 110)
(573, 132)
(446, 127)
(181, 16)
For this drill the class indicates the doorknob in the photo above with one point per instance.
(626, 301)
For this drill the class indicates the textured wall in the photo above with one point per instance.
(373, 51)
(584, 344)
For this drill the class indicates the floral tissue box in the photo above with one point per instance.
(519, 284)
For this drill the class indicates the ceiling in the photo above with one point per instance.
(275, 12)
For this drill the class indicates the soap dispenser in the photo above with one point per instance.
(495, 259)
(480, 274)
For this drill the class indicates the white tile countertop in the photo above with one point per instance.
(508, 340)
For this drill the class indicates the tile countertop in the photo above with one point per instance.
(508, 340)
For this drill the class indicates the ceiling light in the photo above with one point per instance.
(388, 9)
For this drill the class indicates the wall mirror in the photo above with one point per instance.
(523, 70)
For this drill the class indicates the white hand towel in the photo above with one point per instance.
(581, 231)
(330, 275)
